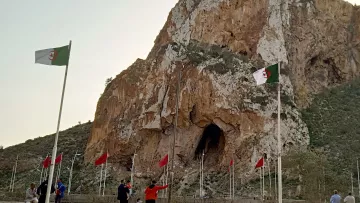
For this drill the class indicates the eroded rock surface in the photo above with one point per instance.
(216, 45)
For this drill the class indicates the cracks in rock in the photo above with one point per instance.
(163, 99)
(192, 115)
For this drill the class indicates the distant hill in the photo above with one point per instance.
(32, 153)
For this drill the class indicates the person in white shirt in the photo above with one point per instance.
(349, 198)
(31, 196)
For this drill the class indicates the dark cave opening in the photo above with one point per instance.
(212, 143)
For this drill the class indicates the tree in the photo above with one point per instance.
(108, 81)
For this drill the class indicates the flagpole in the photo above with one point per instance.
(275, 182)
(200, 180)
(358, 177)
(263, 180)
(175, 132)
(260, 185)
(70, 175)
(166, 177)
(12, 177)
(233, 182)
(13, 180)
(269, 178)
(104, 178)
(132, 173)
(202, 174)
(230, 176)
(279, 140)
(47, 200)
(352, 184)
(101, 172)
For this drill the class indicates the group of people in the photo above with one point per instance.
(150, 192)
(336, 198)
(38, 195)
(32, 194)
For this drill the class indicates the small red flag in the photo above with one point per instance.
(231, 163)
(58, 159)
(46, 163)
(164, 161)
(102, 159)
(260, 163)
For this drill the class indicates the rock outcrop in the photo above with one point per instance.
(216, 45)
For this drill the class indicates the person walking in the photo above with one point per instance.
(123, 193)
(349, 198)
(59, 191)
(41, 191)
(335, 198)
(151, 192)
(31, 196)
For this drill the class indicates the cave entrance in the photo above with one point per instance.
(212, 143)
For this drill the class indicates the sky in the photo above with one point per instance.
(107, 36)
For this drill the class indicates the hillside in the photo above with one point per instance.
(33, 151)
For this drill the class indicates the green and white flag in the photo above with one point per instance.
(55, 56)
(267, 75)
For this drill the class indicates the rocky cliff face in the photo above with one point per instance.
(216, 45)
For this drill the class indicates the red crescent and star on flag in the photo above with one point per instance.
(266, 73)
(53, 55)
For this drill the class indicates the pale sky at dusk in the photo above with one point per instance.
(107, 37)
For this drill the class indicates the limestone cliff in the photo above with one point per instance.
(216, 45)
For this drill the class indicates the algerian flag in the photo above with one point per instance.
(56, 56)
(267, 75)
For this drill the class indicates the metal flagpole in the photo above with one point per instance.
(164, 183)
(13, 180)
(269, 178)
(352, 184)
(70, 176)
(275, 181)
(233, 182)
(263, 180)
(358, 177)
(12, 177)
(279, 140)
(230, 179)
(200, 179)
(202, 174)
(71, 171)
(174, 139)
(101, 172)
(132, 172)
(260, 184)
(47, 200)
(166, 177)
(105, 178)
(230, 183)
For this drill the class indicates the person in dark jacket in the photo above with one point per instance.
(41, 191)
(123, 192)
(151, 192)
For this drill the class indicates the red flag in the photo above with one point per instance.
(260, 163)
(58, 159)
(164, 161)
(102, 159)
(46, 163)
(231, 163)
